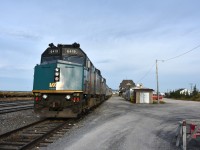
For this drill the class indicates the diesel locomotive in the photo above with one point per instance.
(66, 83)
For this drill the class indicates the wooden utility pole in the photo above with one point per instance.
(157, 80)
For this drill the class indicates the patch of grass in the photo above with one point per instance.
(161, 102)
(155, 102)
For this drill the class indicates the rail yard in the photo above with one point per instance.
(7, 107)
(116, 124)
(100, 75)
(35, 135)
(66, 87)
(23, 129)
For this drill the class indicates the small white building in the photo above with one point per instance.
(185, 92)
(143, 95)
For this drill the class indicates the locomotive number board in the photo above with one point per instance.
(72, 51)
(54, 51)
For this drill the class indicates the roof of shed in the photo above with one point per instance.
(142, 89)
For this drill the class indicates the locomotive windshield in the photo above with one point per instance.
(49, 59)
(74, 59)
(71, 53)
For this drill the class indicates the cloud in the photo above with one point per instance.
(19, 34)
(104, 61)
(122, 39)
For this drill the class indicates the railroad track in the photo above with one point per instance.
(36, 135)
(15, 106)
(2, 103)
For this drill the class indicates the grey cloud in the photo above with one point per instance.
(20, 34)
(105, 61)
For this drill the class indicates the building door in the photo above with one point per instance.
(144, 97)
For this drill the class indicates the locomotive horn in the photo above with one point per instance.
(51, 45)
(76, 45)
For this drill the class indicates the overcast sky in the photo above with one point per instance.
(123, 39)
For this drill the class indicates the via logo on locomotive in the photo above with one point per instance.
(52, 85)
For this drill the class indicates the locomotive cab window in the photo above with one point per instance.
(49, 59)
(74, 59)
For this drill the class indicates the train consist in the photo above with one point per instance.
(66, 83)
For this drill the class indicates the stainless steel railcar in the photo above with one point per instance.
(66, 83)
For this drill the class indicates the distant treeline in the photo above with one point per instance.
(4, 94)
(194, 95)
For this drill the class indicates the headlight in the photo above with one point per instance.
(57, 69)
(68, 97)
(56, 73)
(56, 78)
(44, 96)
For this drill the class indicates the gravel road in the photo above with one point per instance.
(120, 125)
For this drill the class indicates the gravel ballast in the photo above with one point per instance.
(14, 120)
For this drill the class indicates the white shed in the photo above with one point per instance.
(142, 95)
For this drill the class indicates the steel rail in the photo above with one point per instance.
(8, 104)
(31, 135)
(34, 142)
(19, 108)
(22, 128)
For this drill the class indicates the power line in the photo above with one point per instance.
(182, 54)
(147, 73)
(168, 60)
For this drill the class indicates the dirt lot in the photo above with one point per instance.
(121, 125)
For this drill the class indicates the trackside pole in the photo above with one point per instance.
(157, 81)
(179, 134)
(184, 135)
